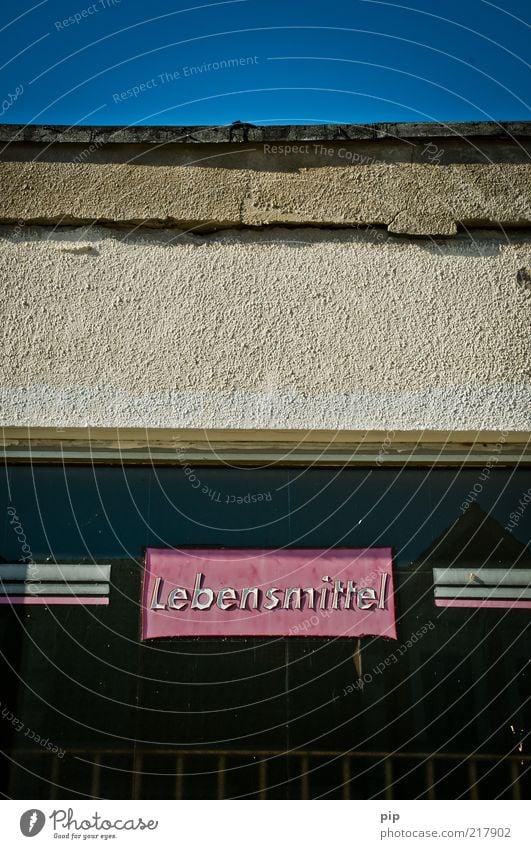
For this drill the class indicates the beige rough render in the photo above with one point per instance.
(280, 328)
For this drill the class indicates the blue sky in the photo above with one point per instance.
(192, 62)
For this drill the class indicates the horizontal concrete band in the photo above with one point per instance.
(405, 199)
(410, 186)
(240, 131)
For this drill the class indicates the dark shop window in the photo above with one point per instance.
(89, 710)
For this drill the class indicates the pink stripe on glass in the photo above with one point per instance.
(477, 602)
(50, 599)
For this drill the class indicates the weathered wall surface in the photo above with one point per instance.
(210, 186)
(344, 320)
(310, 328)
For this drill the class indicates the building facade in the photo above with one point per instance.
(265, 338)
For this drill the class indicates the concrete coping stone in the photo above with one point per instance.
(244, 132)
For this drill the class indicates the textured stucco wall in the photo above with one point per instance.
(306, 328)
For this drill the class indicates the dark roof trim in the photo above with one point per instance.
(241, 132)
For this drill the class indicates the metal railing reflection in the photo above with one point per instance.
(275, 773)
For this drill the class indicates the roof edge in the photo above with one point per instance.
(239, 132)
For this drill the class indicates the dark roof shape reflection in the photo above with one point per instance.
(475, 540)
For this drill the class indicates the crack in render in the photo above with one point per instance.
(395, 216)
(204, 227)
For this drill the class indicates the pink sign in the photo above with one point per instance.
(299, 592)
